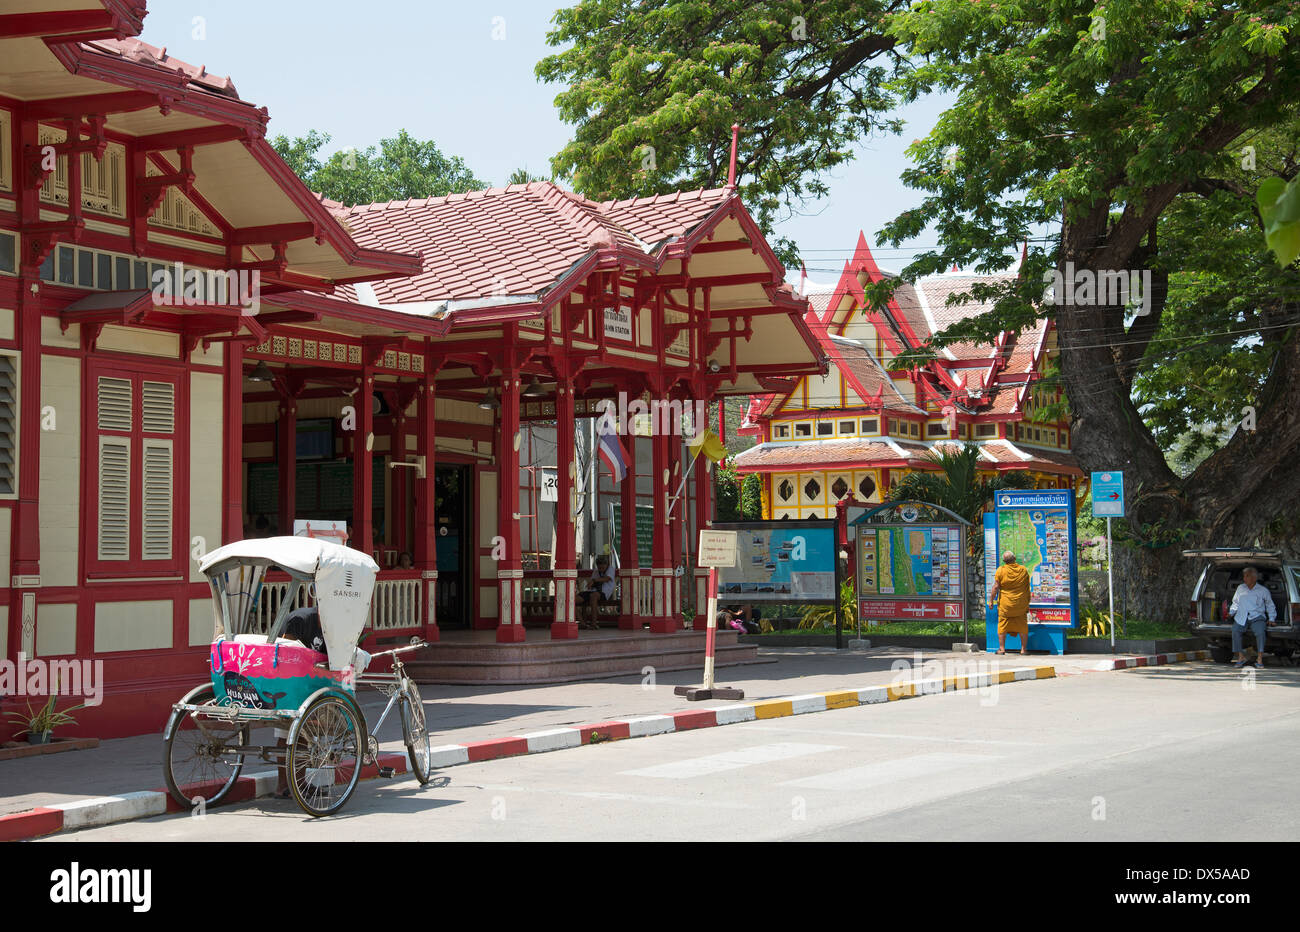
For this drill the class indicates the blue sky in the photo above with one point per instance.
(362, 71)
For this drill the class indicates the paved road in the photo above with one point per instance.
(1152, 754)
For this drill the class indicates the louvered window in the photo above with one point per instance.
(8, 425)
(136, 420)
(114, 498)
(157, 497)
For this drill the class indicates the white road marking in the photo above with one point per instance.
(891, 771)
(729, 760)
(884, 734)
(626, 797)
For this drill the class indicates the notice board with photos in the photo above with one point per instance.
(1038, 525)
(911, 563)
(781, 561)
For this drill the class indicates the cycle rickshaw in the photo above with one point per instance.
(261, 679)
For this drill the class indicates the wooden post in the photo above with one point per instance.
(287, 462)
(426, 517)
(564, 562)
(510, 573)
(232, 479)
(661, 571)
(629, 554)
(363, 438)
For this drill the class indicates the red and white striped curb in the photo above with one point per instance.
(87, 813)
(105, 810)
(450, 755)
(1151, 660)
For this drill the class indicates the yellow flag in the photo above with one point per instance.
(709, 444)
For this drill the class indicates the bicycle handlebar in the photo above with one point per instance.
(399, 650)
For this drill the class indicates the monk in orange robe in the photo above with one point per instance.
(1011, 582)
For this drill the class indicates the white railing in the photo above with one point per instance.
(395, 604)
(643, 598)
(273, 594)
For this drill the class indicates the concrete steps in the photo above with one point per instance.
(452, 662)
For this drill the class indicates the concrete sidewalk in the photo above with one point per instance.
(464, 714)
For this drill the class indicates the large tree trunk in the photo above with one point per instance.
(1246, 494)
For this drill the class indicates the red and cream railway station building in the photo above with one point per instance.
(852, 432)
(382, 371)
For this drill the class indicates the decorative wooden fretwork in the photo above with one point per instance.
(177, 212)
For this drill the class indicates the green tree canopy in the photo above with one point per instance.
(1120, 128)
(653, 88)
(401, 167)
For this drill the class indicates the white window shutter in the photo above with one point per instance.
(114, 498)
(159, 407)
(157, 500)
(114, 404)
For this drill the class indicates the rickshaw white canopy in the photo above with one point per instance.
(344, 578)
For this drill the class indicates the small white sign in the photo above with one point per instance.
(717, 548)
(550, 484)
(618, 323)
(335, 532)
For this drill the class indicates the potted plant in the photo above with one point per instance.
(39, 726)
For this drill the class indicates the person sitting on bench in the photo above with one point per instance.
(600, 588)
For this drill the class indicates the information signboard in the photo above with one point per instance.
(1038, 526)
(1108, 495)
(911, 564)
(781, 561)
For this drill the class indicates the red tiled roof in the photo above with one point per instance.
(514, 241)
(864, 452)
(765, 456)
(655, 219)
(861, 367)
(132, 49)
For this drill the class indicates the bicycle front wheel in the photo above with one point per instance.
(416, 732)
(324, 761)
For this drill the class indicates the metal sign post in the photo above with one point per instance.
(716, 548)
(1108, 502)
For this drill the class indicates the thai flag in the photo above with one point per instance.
(611, 450)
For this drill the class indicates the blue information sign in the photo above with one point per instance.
(1038, 526)
(1108, 495)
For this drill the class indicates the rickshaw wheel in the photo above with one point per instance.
(325, 751)
(416, 732)
(197, 760)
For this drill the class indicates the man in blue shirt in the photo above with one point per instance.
(1252, 607)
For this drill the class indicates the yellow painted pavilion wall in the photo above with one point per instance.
(206, 457)
(56, 629)
(60, 474)
(813, 494)
(133, 625)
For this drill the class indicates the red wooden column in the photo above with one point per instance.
(363, 440)
(287, 461)
(661, 571)
(26, 565)
(703, 519)
(395, 516)
(629, 571)
(565, 558)
(232, 475)
(678, 519)
(510, 572)
(426, 518)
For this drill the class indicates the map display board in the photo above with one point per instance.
(781, 561)
(1038, 526)
(910, 561)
